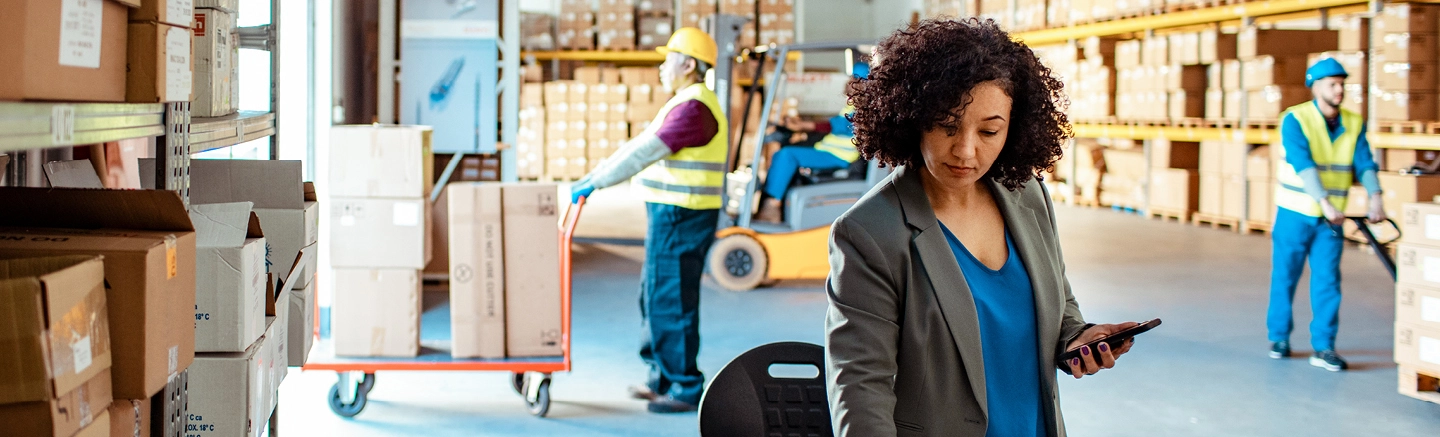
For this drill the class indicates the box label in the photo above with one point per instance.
(1432, 269)
(408, 214)
(1430, 350)
(172, 264)
(81, 350)
(179, 8)
(1432, 226)
(80, 25)
(178, 79)
(1430, 309)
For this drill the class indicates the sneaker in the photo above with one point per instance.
(1280, 350)
(1328, 360)
(643, 393)
(666, 404)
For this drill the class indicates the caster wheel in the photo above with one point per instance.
(517, 381)
(368, 383)
(738, 263)
(540, 405)
(338, 406)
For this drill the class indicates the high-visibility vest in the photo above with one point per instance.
(842, 146)
(1334, 160)
(694, 177)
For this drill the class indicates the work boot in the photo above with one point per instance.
(643, 393)
(667, 404)
(1328, 360)
(769, 211)
(1280, 350)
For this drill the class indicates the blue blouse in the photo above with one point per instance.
(1009, 342)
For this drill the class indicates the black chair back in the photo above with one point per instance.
(745, 400)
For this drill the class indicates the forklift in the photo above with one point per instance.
(748, 254)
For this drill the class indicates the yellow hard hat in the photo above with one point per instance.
(691, 42)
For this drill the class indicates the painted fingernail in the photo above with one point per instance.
(1104, 347)
(1084, 350)
(1075, 361)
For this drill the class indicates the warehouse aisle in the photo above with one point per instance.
(1204, 373)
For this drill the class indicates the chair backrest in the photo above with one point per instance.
(745, 399)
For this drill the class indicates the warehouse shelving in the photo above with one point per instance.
(220, 132)
(618, 56)
(1179, 19)
(25, 126)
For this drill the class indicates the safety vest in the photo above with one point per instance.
(842, 146)
(1334, 160)
(694, 177)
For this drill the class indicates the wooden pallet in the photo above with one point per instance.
(1220, 124)
(1215, 221)
(1433, 128)
(1188, 122)
(1262, 124)
(1422, 384)
(1258, 226)
(1145, 123)
(1402, 127)
(1165, 215)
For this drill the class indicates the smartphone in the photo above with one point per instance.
(1115, 340)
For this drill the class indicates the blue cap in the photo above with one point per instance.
(1324, 68)
(860, 70)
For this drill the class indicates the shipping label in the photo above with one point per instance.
(80, 26)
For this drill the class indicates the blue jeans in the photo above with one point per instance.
(788, 160)
(1297, 236)
(675, 247)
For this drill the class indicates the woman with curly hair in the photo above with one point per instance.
(947, 289)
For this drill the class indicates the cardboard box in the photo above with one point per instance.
(587, 75)
(529, 216)
(287, 207)
(380, 161)
(276, 356)
(1406, 76)
(1216, 46)
(1211, 191)
(1406, 17)
(173, 12)
(1407, 47)
(228, 393)
(1354, 32)
(300, 329)
(1401, 159)
(632, 76)
(557, 92)
(376, 312)
(1417, 305)
(1418, 265)
(129, 417)
(477, 266)
(1264, 71)
(1214, 104)
(653, 31)
(1186, 104)
(1233, 99)
(149, 248)
(1421, 223)
(379, 233)
(1269, 102)
(1230, 73)
(1405, 106)
(1418, 346)
(1185, 77)
(1175, 189)
(1259, 166)
(82, 408)
(579, 95)
(89, 37)
(57, 330)
(230, 279)
(1254, 42)
(216, 53)
(1262, 201)
(158, 64)
(1232, 197)
(1419, 384)
(1401, 189)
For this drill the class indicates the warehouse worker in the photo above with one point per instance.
(680, 161)
(1325, 151)
(836, 150)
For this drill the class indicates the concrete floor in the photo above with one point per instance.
(1203, 373)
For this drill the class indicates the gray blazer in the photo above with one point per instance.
(902, 335)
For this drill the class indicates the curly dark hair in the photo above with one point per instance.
(927, 69)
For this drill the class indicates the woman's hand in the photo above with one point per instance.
(1092, 361)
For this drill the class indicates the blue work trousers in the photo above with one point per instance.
(788, 160)
(1295, 237)
(675, 247)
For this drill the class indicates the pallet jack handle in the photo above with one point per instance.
(567, 235)
(1362, 223)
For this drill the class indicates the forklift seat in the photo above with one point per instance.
(810, 176)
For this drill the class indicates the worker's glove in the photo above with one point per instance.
(579, 190)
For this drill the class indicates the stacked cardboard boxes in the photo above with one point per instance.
(1417, 302)
(1174, 177)
(1405, 62)
(777, 22)
(566, 110)
(576, 28)
(693, 11)
(537, 31)
(570, 126)
(615, 25)
(1222, 178)
(654, 22)
(57, 369)
(380, 237)
(998, 10)
(1358, 69)
(530, 138)
(945, 8)
(1260, 180)
(149, 251)
(1123, 183)
(1272, 69)
(56, 53)
(1093, 98)
(501, 231)
(749, 34)
(158, 64)
(216, 48)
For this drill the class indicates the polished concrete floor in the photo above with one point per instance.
(1203, 373)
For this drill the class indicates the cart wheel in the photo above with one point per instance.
(517, 381)
(368, 383)
(347, 410)
(738, 262)
(541, 404)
